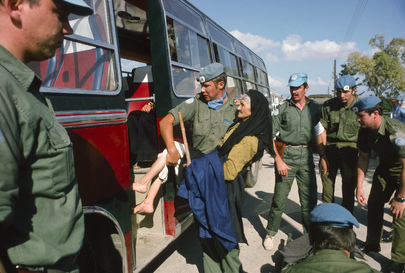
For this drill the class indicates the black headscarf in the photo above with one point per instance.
(258, 124)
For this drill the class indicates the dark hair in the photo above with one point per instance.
(305, 84)
(220, 78)
(378, 107)
(328, 237)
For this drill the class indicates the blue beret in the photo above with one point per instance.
(331, 214)
(297, 79)
(365, 103)
(345, 82)
(78, 7)
(210, 72)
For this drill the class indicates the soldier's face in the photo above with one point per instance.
(345, 97)
(212, 92)
(298, 93)
(45, 24)
(366, 120)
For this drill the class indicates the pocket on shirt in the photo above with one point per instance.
(61, 156)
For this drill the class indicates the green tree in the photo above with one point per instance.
(384, 71)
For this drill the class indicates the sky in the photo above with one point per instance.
(294, 36)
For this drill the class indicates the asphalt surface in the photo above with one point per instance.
(184, 255)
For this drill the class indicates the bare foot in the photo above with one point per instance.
(140, 186)
(144, 207)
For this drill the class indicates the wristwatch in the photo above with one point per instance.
(399, 199)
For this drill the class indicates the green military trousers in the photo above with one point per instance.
(301, 162)
(385, 182)
(345, 159)
(216, 258)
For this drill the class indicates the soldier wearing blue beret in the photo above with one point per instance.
(212, 112)
(332, 239)
(386, 136)
(341, 131)
(294, 129)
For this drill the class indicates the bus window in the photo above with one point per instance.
(187, 15)
(189, 52)
(249, 85)
(228, 60)
(234, 87)
(186, 46)
(262, 77)
(91, 43)
(220, 37)
(243, 52)
(265, 91)
(184, 81)
(248, 71)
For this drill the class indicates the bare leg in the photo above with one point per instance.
(146, 206)
(141, 184)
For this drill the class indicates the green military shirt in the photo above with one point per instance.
(388, 143)
(293, 126)
(340, 122)
(41, 218)
(328, 260)
(209, 125)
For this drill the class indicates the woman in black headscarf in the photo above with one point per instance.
(242, 145)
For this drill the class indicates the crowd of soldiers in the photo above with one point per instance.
(344, 132)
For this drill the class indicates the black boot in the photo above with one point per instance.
(370, 248)
(395, 267)
(387, 237)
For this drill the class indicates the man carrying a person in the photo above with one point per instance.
(211, 113)
(294, 128)
(41, 218)
(386, 136)
(341, 131)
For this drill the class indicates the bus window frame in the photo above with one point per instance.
(115, 63)
(169, 16)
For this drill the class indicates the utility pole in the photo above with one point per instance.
(334, 78)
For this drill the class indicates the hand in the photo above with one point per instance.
(282, 168)
(323, 166)
(397, 208)
(172, 158)
(146, 108)
(361, 198)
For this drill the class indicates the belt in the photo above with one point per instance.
(298, 146)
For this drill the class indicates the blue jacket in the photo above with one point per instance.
(204, 187)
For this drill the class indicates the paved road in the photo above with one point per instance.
(184, 255)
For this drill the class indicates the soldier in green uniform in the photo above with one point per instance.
(341, 130)
(41, 217)
(294, 125)
(386, 137)
(211, 112)
(332, 239)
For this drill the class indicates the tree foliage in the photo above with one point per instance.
(384, 71)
